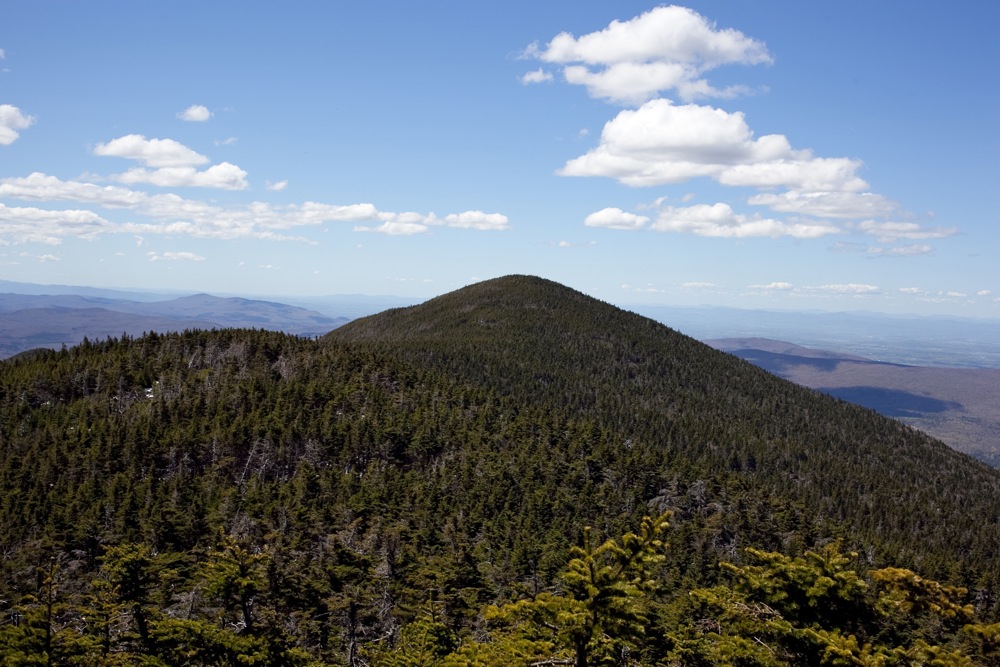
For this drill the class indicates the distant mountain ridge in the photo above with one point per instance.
(52, 320)
(957, 405)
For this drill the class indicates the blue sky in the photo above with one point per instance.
(834, 156)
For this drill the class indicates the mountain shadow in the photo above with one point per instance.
(893, 402)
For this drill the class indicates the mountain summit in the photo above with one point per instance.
(231, 494)
(691, 408)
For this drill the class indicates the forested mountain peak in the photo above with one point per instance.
(510, 305)
(695, 409)
(245, 496)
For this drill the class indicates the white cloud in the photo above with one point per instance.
(151, 152)
(171, 214)
(984, 292)
(615, 218)
(477, 220)
(851, 288)
(12, 119)
(719, 220)
(228, 141)
(395, 228)
(35, 225)
(888, 232)
(174, 257)
(664, 49)
(47, 258)
(276, 187)
(784, 287)
(537, 76)
(224, 176)
(196, 113)
(910, 290)
(571, 244)
(698, 285)
(409, 223)
(903, 251)
(845, 205)
(662, 143)
(647, 289)
(42, 187)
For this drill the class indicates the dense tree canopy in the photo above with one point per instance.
(416, 489)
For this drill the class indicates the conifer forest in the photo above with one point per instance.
(510, 474)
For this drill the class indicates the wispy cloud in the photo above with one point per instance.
(536, 76)
(720, 220)
(174, 257)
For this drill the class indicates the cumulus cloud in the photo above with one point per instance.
(784, 287)
(665, 49)
(151, 152)
(12, 120)
(909, 290)
(395, 228)
(720, 220)
(173, 164)
(668, 52)
(224, 176)
(196, 113)
(615, 218)
(276, 187)
(698, 285)
(174, 257)
(477, 220)
(984, 292)
(34, 225)
(662, 143)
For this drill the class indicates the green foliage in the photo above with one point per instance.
(601, 615)
(232, 497)
(813, 610)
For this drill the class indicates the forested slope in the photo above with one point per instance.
(706, 413)
(250, 497)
